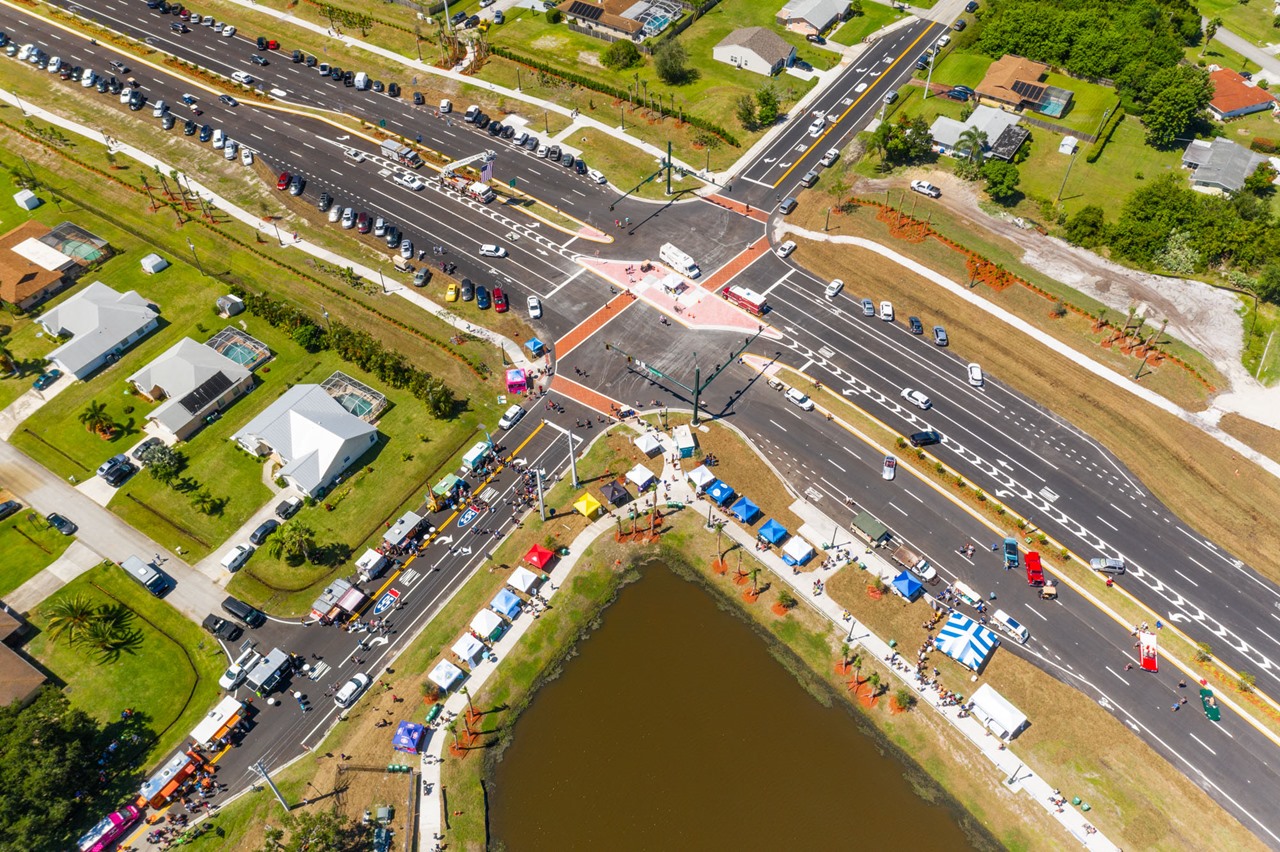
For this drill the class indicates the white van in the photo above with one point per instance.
(361, 81)
(219, 138)
(678, 260)
(1005, 622)
(796, 397)
(511, 417)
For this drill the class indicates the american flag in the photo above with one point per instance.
(486, 171)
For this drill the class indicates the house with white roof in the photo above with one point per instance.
(812, 17)
(311, 435)
(192, 382)
(1004, 136)
(101, 323)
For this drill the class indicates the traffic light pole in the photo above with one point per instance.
(698, 384)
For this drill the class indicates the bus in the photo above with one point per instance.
(678, 260)
(748, 300)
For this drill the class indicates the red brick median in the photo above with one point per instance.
(585, 395)
(723, 275)
(592, 324)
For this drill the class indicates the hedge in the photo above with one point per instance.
(1105, 136)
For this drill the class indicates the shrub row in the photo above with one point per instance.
(1265, 146)
(1095, 150)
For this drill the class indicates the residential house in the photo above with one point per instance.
(101, 323)
(310, 435)
(1013, 82)
(1004, 136)
(1219, 166)
(194, 381)
(30, 270)
(19, 679)
(755, 49)
(1234, 96)
(812, 17)
(611, 20)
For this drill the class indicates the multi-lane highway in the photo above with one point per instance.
(1040, 466)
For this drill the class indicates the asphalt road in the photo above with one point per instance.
(1042, 467)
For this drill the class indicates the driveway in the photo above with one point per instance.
(27, 404)
(103, 533)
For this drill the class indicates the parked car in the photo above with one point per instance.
(227, 631)
(925, 188)
(482, 298)
(46, 379)
(238, 670)
(868, 308)
(834, 288)
(108, 465)
(288, 508)
(468, 290)
(786, 248)
(283, 181)
(451, 292)
(120, 474)
(535, 308)
(236, 557)
(500, 304)
(263, 531)
(940, 335)
(1107, 565)
(352, 689)
(886, 311)
(915, 325)
(8, 507)
(61, 524)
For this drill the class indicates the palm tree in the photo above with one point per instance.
(107, 637)
(70, 615)
(972, 143)
(453, 729)
(95, 417)
(1210, 30)
(874, 680)
(755, 572)
(844, 655)
(856, 663)
(292, 541)
(8, 364)
(719, 530)
(467, 693)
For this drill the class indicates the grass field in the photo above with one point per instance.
(959, 69)
(169, 675)
(1250, 20)
(874, 17)
(27, 548)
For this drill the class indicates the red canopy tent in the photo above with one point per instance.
(538, 556)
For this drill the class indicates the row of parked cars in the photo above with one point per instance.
(524, 139)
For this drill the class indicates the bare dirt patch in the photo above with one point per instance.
(590, 57)
(547, 43)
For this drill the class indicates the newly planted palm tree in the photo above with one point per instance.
(95, 417)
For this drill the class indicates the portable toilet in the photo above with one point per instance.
(685, 442)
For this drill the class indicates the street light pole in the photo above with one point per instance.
(199, 265)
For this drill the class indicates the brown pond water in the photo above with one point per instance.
(675, 728)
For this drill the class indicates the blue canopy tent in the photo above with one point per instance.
(966, 641)
(773, 532)
(536, 346)
(907, 586)
(506, 604)
(408, 737)
(746, 511)
(720, 492)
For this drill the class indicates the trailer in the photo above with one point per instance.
(871, 529)
(915, 563)
(1010, 553)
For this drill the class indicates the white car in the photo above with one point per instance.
(242, 77)
(409, 181)
(490, 250)
(55, 64)
(88, 79)
(511, 417)
(786, 248)
(238, 670)
(917, 398)
(925, 188)
(348, 218)
(975, 375)
(353, 154)
(886, 311)
(246, 156)
(237, 556)
(229, 149)
(819, 125)
(596, 175)
(798, 399)
(535, 308)
(890, 468)
(352, 689)
(228, 31)
(834, 288)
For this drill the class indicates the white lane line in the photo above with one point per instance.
(1118, 677)
(1185, 577)
(895, 505)
(836, 466)
(566, 281)
(1108, 523)
(1036, 611)
(1201, 564)
(1266, 634)
(913, 496)
(1197, 739)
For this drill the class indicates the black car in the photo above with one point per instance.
(916, 326)
(959, 25)
(8, 507)
(61, 524)
(956, 95)
(311, 61)
(393, 90)
(119, 474)
(482, 121)
(458, 18)
(393, 236)
(244, 612)
(508, 132)
(325, 202)
(468, 290)
(418, 99)
(117, 86)
(190, 127)
(296, 56)
(227, 631)
(266, 528)
(566, 160)
(349, 78)
(258, 59)
(335, 73)
(473, 22)
(262, 43)
(495, 128)
(971, 6)
(580, 166)
(924, 439)
(138, 100)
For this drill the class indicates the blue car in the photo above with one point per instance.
(46, 379)
(482, 298)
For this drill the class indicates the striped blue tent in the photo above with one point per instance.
(966, 641)
(746, 511)
(773, 532)
(720, 492)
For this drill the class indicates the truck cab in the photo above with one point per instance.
(269, 671)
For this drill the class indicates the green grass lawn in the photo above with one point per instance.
(169, 675)
(1090, 103)
(1249, 20)
(874, 17)
(26, 549)
(1126, 164)
(959, 69)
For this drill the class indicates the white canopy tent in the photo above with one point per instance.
(995, 712)
(523, 580)
(445, 675)
(641, 477)
(701, 476)
(649, 443)
(485, 622)
(798, 549)
(469, 649)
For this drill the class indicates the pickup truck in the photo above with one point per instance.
(1010, 553)
(1035, 573)
(914, 562)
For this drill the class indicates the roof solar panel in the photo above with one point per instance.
(585, 10)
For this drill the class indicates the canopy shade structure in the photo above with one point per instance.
(907, 586)
(701, 476)
(797, 551)
(538, 556)
(965, 641)
(641, 477)
(536, 346)
(649, 443)
(486, 623)
(445, 675)
(408, 737)
(773, 532)
(523, 580)
(469, 649)
(614, 493)
(745, 510)
(506, 604)
(720, 492)
(587, 505)
(994, 710)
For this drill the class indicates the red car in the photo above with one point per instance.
(272, 44)
(499, 300)
(363, 223)
(283, 183)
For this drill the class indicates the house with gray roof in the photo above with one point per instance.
(755, 49)
(1004, 136)
(101, 323)
(812, 17)
(192, 382)
(1219, 165)
(310, 435)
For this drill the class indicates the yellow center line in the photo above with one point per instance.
(883, 75)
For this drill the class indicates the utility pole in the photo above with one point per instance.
(1063, 185)
(542, 509)
(695, 414)
(698, 384)
(262, 770)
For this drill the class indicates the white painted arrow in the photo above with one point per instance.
(444, 539)
(465, 551)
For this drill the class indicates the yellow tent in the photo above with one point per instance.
(588, 506)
